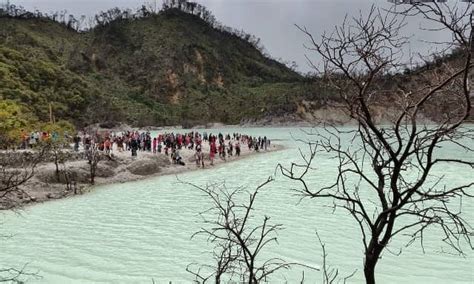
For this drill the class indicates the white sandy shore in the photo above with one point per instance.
(173, 169)
(44, 186)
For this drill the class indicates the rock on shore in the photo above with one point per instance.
(148, 166)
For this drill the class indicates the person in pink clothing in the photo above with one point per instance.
(154, 145)
(237, 148)
(212, 152)
(187, 141)
(180, 141)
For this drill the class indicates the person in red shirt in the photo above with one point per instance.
(213, 150)
(180, 141)
(24, 139)
(187, 141)
(107, 146)
(154, 145)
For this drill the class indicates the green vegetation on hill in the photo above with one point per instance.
(164, 68)
(178, 66)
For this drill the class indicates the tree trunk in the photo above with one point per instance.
(252, 279)
(369, 269)
(371, 259)
(56, 163)
(92, 173)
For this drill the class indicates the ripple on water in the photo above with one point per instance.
(132, 232)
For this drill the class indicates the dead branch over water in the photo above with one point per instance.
(385, 175)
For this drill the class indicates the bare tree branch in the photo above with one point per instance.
(386, 177)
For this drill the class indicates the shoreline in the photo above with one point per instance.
(261, 124)
(43, 186)
(190, 166)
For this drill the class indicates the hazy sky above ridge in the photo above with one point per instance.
(271, 20)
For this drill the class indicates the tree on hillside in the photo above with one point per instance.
(13, 118)
(386, 175)
(104, 18)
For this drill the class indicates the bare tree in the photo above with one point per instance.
(330, 274)
(238, 242)
(69, 180)
(93, 156)
(59, 154)
(12, 275)
(386, 175)
(16, 169)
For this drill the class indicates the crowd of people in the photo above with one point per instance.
(170, 144)
(32, 139)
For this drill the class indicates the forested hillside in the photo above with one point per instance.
(175, 66)
(144, 68)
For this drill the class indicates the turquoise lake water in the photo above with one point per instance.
(138, 231)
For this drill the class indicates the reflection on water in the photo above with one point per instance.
(133, 232)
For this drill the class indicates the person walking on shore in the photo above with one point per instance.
(237, 148)
(134, 147)
(212, 151)
(230, 149)
(199, 156)
(76, 140)
(108, 147)
(154, 145)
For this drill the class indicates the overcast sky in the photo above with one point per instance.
(271, 20)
